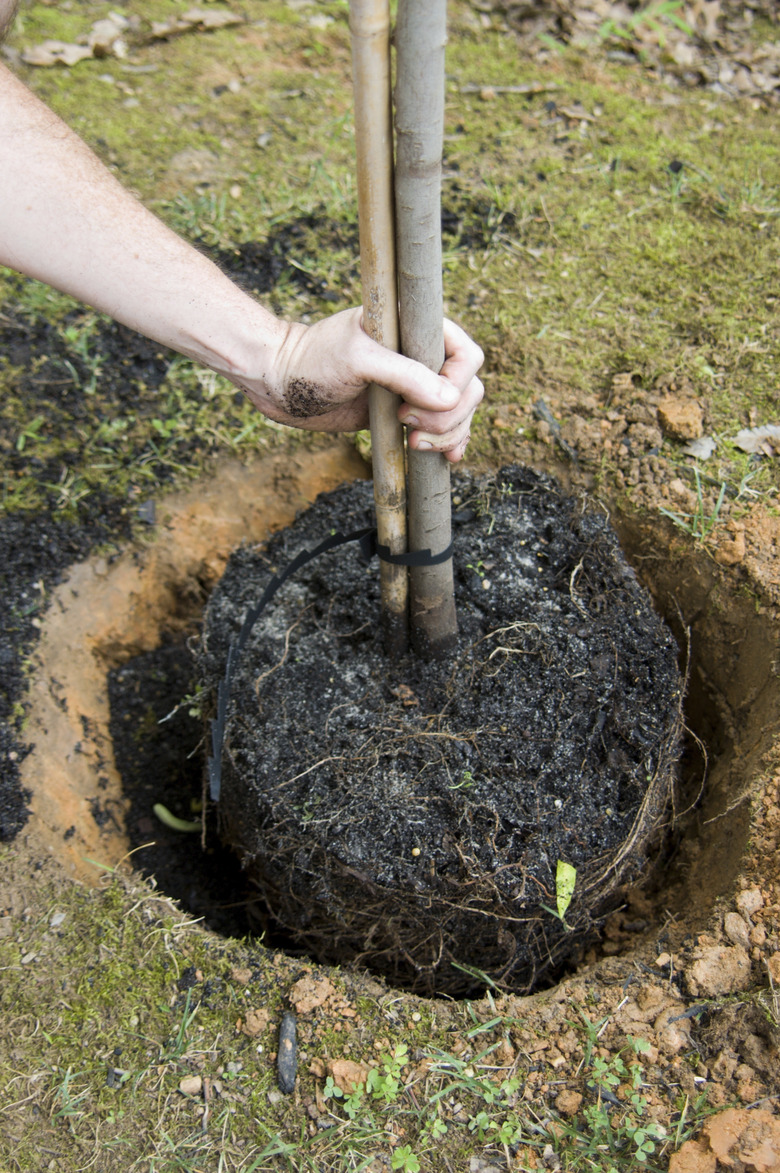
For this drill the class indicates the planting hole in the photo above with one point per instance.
(114, 661)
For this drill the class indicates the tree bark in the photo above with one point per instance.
(369, 22)
(421, 33)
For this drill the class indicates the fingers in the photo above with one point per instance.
(446, 432)
(419, 388)
(437, 408)
(339, 357)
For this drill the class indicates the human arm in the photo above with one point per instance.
(66, 220)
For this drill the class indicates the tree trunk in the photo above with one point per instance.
(421, 34)
(369, 22)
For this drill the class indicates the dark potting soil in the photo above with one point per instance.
(35, 551)
(410, 814)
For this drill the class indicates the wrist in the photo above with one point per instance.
(241, 340)
(264, 373)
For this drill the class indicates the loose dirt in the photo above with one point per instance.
(412, 814)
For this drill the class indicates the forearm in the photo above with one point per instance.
(65, 220)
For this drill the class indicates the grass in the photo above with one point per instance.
(574, 253)
(701, 522)
(635, 241)
(147, 998)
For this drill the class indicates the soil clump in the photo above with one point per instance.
(412, 815)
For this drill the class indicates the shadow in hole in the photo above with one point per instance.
(162, 761)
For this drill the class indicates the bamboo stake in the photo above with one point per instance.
(421, 33)
(369, 22)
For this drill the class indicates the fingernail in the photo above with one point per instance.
(424, 445)
(411, 421)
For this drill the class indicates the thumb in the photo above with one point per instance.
(410, 380)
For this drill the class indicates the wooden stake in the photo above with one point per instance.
(369, 22)
(421, 33)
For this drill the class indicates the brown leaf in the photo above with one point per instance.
(196, 18)
(55, 53)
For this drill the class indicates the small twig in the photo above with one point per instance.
(547, 216)
(572, 594)
(542, 412)
(533, 87)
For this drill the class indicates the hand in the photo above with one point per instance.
(321, 374)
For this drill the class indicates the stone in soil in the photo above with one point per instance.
(411, 815)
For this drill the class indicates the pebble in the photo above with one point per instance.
(749, 901)
(568, 1102)
(682, 419)
(736, 929)
(718, 969)
(191, 1085)
(672, 1032)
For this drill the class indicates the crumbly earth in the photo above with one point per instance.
(611, 239)
(410, 813)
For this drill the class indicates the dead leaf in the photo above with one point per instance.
(702, 448)
(764, 441)
(577, 114)
(106, 36)
(196, 18)
(55, 53)
(211, 20)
